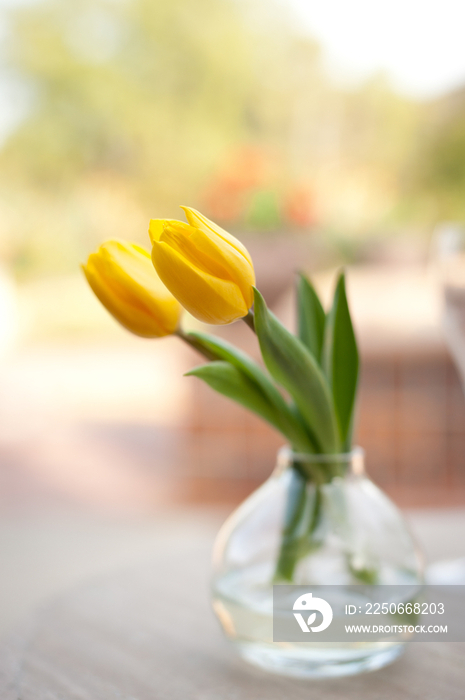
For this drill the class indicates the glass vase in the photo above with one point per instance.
(317, 520)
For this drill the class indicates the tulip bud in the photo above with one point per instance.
(121, 275)
(208, 271)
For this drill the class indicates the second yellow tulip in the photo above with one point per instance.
(121, 275)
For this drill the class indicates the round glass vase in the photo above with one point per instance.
(318, 520)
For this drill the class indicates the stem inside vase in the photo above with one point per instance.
(305, 510)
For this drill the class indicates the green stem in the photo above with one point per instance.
(196, 345)
(250, 320)
(303, 513)
(302, 517)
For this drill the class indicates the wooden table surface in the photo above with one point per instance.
(148, 633)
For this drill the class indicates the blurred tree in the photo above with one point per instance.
(436, 173)
(221, 104)
(150, 91)
(133, 104)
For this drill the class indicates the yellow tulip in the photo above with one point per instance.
(122, 277)
(208, 271)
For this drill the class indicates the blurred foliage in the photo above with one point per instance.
(137, 106)
(127, 87)
(436, 173)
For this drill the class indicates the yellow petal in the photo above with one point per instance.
(131, 264)
(157, 226)
(237, 268)
(195, 218)
(122, 277)
(135, 320)
(206, 297)
(213, 255)
(183, 240)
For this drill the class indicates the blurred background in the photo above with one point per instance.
(321, 137)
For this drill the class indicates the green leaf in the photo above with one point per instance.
(288, 420)
(231, 382)
(310, 317)
(292, 365)
(341, 362)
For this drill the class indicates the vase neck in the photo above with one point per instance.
(322, 467)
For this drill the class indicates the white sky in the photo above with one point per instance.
(420, 44)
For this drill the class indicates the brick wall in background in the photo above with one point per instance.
(411, 423)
